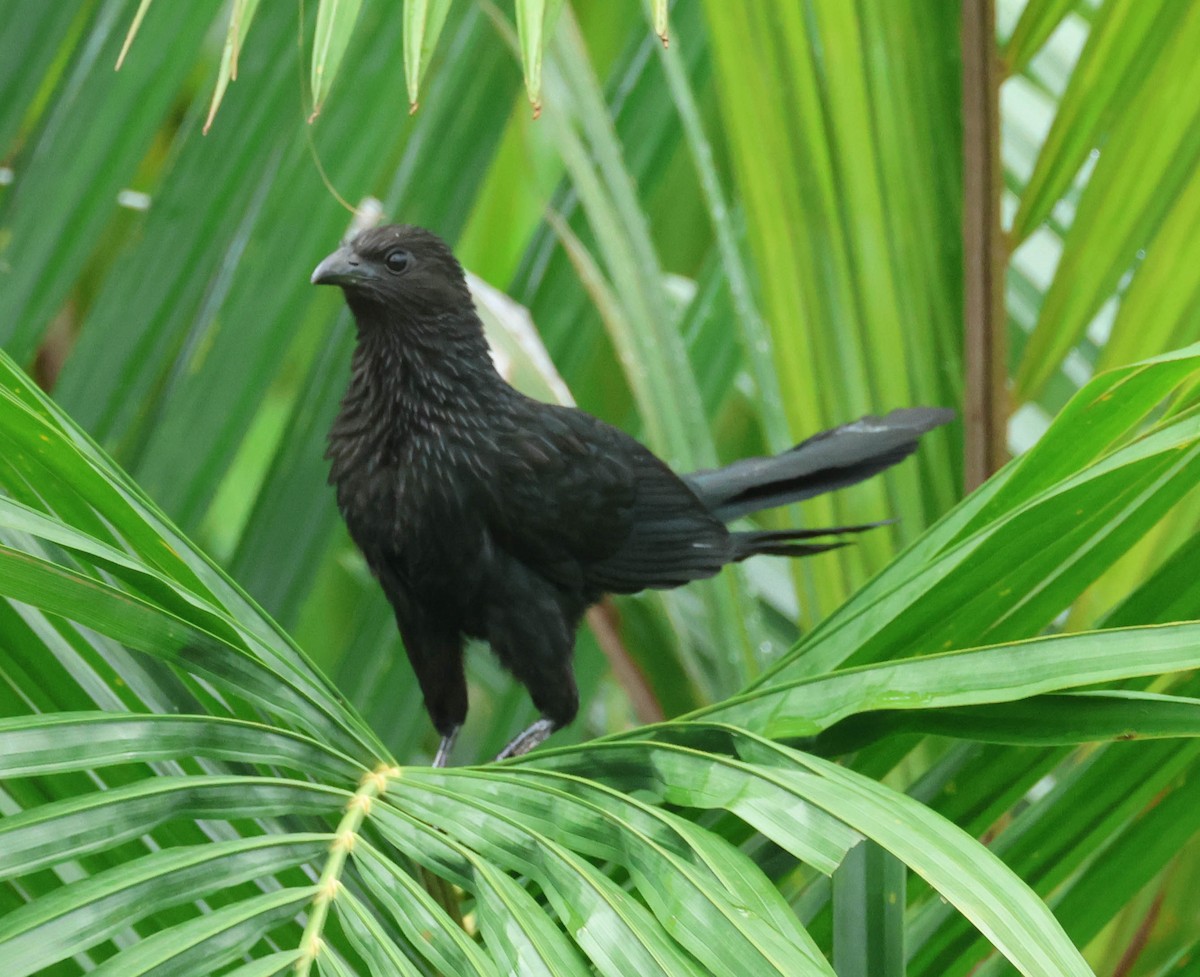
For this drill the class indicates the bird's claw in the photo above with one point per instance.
(535, 735)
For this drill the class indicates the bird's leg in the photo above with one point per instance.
(527, 740)
(445, 746)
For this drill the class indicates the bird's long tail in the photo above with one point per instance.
(830, 460)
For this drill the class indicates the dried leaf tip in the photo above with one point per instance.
(413, 106)
(537, 110)
(660, 21)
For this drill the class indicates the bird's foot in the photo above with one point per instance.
(442, 757)
(526, 741)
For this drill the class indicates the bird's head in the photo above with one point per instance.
(399, 271)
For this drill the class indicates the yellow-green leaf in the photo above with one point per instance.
(1039, 20)
(1121, 50)
(423, 20)
(531, 16)
(335, 23)
(239, 23)
(133, 29)
(660, 21)
(1161, 308)
(1147, 160)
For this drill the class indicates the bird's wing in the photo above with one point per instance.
(556, 499)
(672, 537)
(590, 508)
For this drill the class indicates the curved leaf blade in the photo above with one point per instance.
(335, 24)
(423, 22)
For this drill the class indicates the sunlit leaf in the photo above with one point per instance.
(1148, 159)
(1114, 64)
(1038, 20)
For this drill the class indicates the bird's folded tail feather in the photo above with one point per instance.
(796, 542)
(830, 460)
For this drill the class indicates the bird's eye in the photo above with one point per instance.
(397, 261)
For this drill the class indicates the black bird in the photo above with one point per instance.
(486, 514)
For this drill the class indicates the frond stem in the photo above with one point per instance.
(372, 785)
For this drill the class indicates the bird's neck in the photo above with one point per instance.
(423, 381)
(438, 361)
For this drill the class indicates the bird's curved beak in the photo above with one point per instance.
(343, 267)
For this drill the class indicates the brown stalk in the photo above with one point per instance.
(985, 406)
(1141, 937)
(603, 621)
